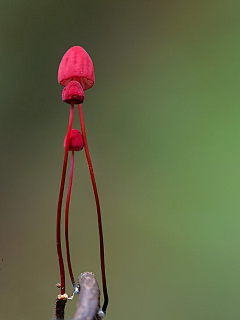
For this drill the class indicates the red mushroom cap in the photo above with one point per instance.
(77, 65)
(73, 92)
(76, 141)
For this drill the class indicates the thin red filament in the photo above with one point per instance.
(104, 308)
(66, 221)
(59, 209)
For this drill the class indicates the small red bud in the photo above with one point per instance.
(73, 93)
(76, 141)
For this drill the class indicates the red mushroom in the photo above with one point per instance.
(76, 74)
(73, 93)
(76, 65)
(76, 141)
(75, 144)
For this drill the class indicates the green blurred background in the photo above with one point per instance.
(163, 129)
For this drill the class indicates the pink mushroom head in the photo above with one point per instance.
(76, 141)
(77, 65)
(73, 92)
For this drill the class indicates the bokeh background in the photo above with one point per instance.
(163, 129)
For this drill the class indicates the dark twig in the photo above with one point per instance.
(89, 300)
(60, 303)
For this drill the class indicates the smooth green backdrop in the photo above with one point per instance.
(163, 130)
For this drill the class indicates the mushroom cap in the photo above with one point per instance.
(76, 141)
(76, 64)
(73, 92)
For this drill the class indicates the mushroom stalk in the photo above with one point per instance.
(104, 282)
(59, 209)
(66, 222)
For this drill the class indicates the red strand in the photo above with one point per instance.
(66, 221)
(59, 209)
(104, 308)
